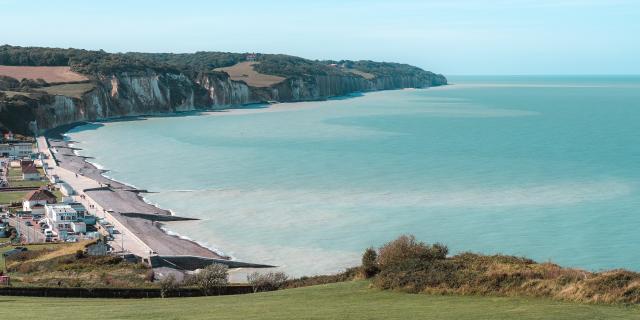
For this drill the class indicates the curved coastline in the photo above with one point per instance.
(151, 231)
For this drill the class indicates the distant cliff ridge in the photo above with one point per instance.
(134, 84)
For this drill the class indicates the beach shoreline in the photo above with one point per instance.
(121, 204)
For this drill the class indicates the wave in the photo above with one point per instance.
(552, 194)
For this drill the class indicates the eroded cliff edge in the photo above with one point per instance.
(152, 90)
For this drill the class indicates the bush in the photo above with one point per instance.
(406, 247)
(168, 284)
(347, 275)
(266, 281)
(212, 278)
(369, 264)
(150, 276)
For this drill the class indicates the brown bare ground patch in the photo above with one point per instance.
(244, 71)
(48, 74)
(363, 74)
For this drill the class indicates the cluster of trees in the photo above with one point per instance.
(101, 62)
(290, 66)
(189, 62)
(383, 69)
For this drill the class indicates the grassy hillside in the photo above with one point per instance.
(348, 300)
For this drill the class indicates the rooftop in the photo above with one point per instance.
(40, 195)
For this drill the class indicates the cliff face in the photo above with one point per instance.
(134, 94)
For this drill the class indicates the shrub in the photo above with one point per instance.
(369, 264)
(168, 284)
(212, 278)
(347, 275)
(79, 254)
(406, 247)
(150, 276)
(266, 281)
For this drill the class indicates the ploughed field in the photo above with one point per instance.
(48, 74)
(347, 300)
(244, 71)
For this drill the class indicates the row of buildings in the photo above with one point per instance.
(16, 149)
(61, 220)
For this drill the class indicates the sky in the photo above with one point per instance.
(453, 37)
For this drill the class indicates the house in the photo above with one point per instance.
(83, 214)
(100, 248)
(66, 189)
(251, 57)
(106, 226)
(54, 178)
(8, 136)
(17, 149)
(63, 219)
(35, 201)
(30, 172)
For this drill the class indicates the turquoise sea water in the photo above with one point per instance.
(545, 167)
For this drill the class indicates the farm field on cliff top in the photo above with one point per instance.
(543, 167)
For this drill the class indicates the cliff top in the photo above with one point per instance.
(92, 62)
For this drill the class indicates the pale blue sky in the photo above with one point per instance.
(451, 37)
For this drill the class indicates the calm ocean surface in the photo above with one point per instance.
(545, 167)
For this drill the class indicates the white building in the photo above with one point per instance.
(66, 189)
(18, 149)
(62, 218)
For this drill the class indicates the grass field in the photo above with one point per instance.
(349, 300)
(14, 196)
(14, 174)
(71, 90)
(244, 71)
(12, 94)
(48, 74)
(29, 247)
(28, 183)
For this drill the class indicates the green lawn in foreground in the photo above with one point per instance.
(351, 300)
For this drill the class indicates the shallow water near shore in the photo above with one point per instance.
(544, 167)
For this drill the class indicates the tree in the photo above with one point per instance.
(212, 278)
(369, 263)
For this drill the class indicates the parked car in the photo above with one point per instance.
(28, 223)
(13, 251)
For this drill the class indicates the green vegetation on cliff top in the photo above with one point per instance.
(101, 62)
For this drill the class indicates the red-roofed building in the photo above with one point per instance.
(35, 201)
(30, 172)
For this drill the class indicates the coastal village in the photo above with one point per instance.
(50, 196)
(37, 207)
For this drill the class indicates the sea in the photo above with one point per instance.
(546, 167)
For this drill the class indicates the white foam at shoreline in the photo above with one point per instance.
(202, 244)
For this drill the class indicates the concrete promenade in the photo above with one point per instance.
(108, 199)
